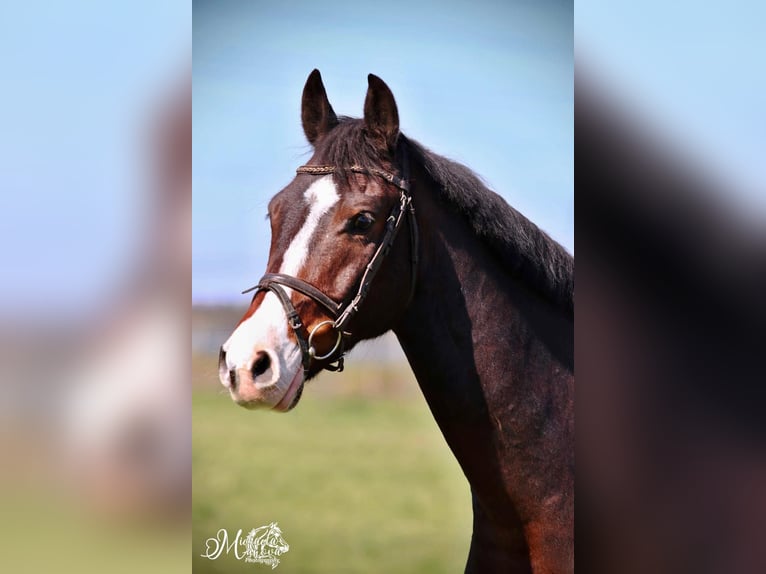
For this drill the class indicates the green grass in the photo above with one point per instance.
(357, 484)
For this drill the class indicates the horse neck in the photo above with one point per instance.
(493, 359)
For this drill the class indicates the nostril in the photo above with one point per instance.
(233, 378)
(261, 364)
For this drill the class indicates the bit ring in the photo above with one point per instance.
(312, 350)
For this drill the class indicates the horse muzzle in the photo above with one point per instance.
(262, 382)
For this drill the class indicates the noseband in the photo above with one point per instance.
(342, 314)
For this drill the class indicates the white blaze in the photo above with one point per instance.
(321, 196)
(267, 328)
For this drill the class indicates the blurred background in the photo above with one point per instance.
(358, 476)
(670, 187)
(95, 260)
(690, 75)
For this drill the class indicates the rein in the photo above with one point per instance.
(343, 314)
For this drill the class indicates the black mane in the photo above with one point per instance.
(525, 250)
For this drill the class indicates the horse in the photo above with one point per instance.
(480, 299)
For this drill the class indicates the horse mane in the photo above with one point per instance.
(524, 249)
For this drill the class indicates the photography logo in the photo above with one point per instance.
(262, 545)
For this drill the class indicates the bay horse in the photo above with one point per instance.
(480, 299)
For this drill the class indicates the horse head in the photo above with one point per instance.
(333, 231)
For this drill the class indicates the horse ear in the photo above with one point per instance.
(380, 114)
(317, 114)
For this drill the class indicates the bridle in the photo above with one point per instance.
(342, 314)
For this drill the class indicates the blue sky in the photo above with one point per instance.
(694, 72)
(79, 82)
(487, 84)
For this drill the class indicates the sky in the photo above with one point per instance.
(694, 73)
(80, 80)
(487, 84)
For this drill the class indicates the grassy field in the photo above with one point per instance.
(358, 482)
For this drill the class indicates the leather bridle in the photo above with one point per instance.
(343, 313)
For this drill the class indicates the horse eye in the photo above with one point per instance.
(363, 222)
